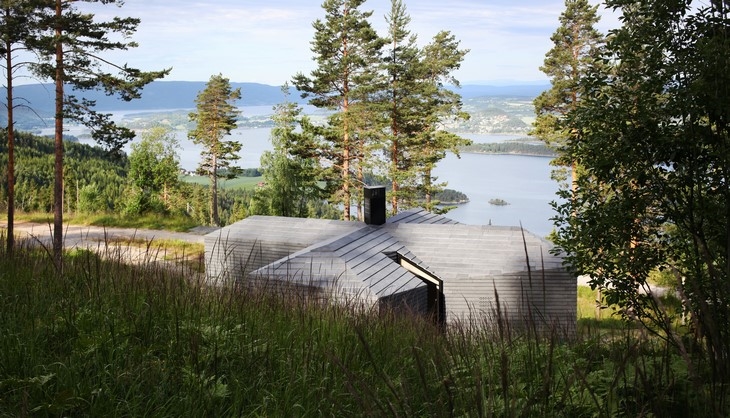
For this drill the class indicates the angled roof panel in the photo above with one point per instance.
(359, 256)
(471, 250)
(293, 231)
(419, 216)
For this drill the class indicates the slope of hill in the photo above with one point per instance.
(181, 94)
(94, 178)
(156, 95)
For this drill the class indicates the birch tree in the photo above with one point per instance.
(654, 195)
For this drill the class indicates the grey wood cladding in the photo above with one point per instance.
(487, 271)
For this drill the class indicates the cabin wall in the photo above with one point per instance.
(414, 301)
(546, 299)
(230, 260)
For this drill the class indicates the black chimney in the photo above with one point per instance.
(374, 205)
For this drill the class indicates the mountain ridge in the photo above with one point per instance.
(181, 95)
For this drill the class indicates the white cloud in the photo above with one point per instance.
(268, 41)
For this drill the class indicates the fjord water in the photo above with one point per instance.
(522, 181)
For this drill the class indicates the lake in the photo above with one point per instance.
(523, 182)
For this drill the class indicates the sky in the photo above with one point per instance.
(268, 41)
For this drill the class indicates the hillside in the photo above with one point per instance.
(94, 178)
(156, 95)
(521, 147)
(181, 94)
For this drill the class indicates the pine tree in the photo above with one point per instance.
(291, 170)
(17, 21)
(215, 119)
(346, 50)
(575, 43)
(401, 99)
(70, 48)
(440, 59)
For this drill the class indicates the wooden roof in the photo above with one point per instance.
(472, 263)
(358, 262)
(360, 258)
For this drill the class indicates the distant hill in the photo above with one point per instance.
(470, 91)
(156, 95)
(181, 95)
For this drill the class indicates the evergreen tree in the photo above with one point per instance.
(70, 48)
(18, 20)
(401, 101)
(575, 44)
(346, 50)
(438, 104)
(290, 176)
(215, 119)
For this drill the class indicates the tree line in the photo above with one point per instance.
(388, 106)
(68, 46)
(145, 182)
(512, 147)
(386, 95)
(389, 101)
(640, 116)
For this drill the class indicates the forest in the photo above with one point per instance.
(100, 182)
(97, 182)
(510, 147)
(637, 119)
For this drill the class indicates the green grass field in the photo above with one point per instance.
(107, 338)
(176, 223)
(237, 183)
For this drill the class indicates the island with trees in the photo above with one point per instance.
(516, 147)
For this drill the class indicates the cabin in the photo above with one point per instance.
(415, 261)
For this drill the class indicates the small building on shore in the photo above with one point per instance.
(415, 261)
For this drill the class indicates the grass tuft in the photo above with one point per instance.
(109, 338)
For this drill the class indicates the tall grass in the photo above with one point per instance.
(113, 339)
(178, 223)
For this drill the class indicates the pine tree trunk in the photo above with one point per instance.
(214, 219)
(346, 196)
(427, 187)
(58, 146)
(394, 158)
(11, 149)
(360, 182)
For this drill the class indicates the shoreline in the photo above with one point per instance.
(523, 154)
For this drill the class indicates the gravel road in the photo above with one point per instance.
(98, 238)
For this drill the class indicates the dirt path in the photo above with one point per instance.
(104, 239)
(75, 235)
